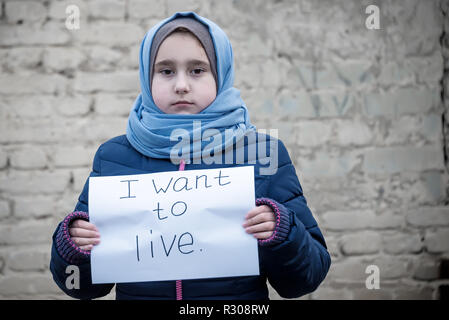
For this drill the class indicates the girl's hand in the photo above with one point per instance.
(260, 222)
(84, 234)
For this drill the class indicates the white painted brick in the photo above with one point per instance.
(30, 259)
(120, 81)
(140, 9)
(22, 58)
(316, 105)
(11, 131)
(409, 189)
(434, 185)
(256, 46)
(27, 232)
(325, 76)
(49, 34)
(426, 269)
(57, 9)
(25, 11)
(347, 220)
(131, 60)
(77, 105)
(59, 59)
(33, 182)
(401, 101)
(3, 158)
(28, 157)
(103, 59)
(392, 267)
(437, 241)
(428, 216)
(414, 129)
(351, 269)
(392, 160)
(315, 77)
(103, 129)
(325, 164)
(112, 105)
(273, 73)
(109, 34)
(334, 104)
(244, 72)
(313, 133)
(109, 9)
(70, 156)
(355, 72)
(30, 284)
(26, 207)
(401, 243)
(428, 69)
(392, 73)
(352, 133)
(261, 104)
(183, 5)
(5, 210)
(24, 83)
(388, 220)
(31, 107)
(46, 130)
(366, 242)
(298, 103)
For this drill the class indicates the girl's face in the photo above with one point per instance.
(182, 80)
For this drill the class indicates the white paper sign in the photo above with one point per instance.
(173, 225)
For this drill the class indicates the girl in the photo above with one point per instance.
(186, 76)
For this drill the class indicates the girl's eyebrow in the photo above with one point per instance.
(169, 62)
(166, 62)
(198, 62)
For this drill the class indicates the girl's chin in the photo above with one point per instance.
(184, 109)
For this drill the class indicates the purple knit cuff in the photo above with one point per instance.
(282, 217)
(68, 250)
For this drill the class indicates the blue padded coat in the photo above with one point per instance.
(294, 262)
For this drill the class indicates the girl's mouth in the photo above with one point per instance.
(182, 103)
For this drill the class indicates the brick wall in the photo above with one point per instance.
(364, 114)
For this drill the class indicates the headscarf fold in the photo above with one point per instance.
(150, 130)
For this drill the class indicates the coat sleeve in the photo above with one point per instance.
(62, 257)
(297, 265)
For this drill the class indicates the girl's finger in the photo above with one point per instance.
(83, 233)
(256, 210)
(262, 235)
(85, 241)
(79, 223)
(261, 227)
(261, 217)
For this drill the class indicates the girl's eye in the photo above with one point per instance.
(166, 72)
(197, 71)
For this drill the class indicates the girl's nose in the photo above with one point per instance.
(181, 85)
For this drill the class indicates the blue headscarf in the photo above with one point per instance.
(149, 129)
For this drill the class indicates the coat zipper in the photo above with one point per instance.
(182, 165)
